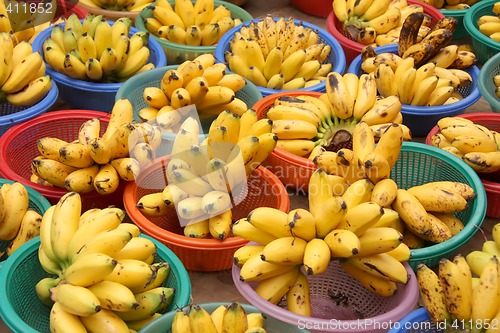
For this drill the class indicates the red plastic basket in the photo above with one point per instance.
(207, 255)
(293, 171)
(352, 48)
(18, 147)
(491, 182)
(319, 8)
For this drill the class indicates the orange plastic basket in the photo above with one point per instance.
(491, 182)
(293, 171)
(18, 147)
(264, 190)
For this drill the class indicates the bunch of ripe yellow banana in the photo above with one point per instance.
(306, 125)
(464, 294)
(188, 22)
(206, 178)
(94, 50)
(94, 161)
(490, 24)
(25, 20)
(477, 145)
(119, 5)
(451, 4)
(23, 82)
(104, 276)
(228, 318)
(18, 223)
(279, 53)
(377, 23)
(199, 82)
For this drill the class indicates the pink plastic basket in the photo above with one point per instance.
(357, 310)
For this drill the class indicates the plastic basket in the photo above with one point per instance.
(178, 53)
(486, 84)
(23, 312)
(336, 57)
(418, 164)
(484, 47)
(92, 95)
(352, 48)
(37, 202)
(420, 119)
(491, 183)
(271, 325)
(417, 321)
(18, 147)
(134, 87)
(111, 15)
(264, 189)
(11, 115)
(293, 171)
(364, 311)
(319, 8)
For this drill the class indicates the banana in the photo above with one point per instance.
(379, 240)
(366, 95)
(197, 229)
(292, 64)
(409, 31)
(382, 265)
(385, 22)
(405, 85)
(483, 161)
(76, 300)
(284, 250)
(302, 224)
(75, 154)
(384, 192)
(104, 321)
(61, 320)
(477, 261)
(340, 10)
(292, 112)
(255, 320)
(449, 202)
(465, 190)
(242, 254)
(453, 223)
(458, 295)
(106, 180)
(51, 171)
(338, 95)
(113, 295)
(385, 80)
(273, 289)
(201, 321)
(273, 63)
(256, 269)
(486, 296)
(135, 62)
(342, 243)
(244, 229)
(127, 167)
(412, 212)
(272, 221)
(89, 269)
(108, 242)
(220, 225)
(317, 256)
(358, 192)
(432, 293)
(190, 208)
(23, 73)
(440, 95)
(29, 229)
(383, 110)
(361, 217)
(16, 202)
(180, 322)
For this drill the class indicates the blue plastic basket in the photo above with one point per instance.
(22, 311)
(421, 119)
(92, 95)
(417, 321)
(11, 115)
(37, 202)
(336, 57)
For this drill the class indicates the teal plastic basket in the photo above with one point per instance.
(418, 164)
(484, 47)
(37, 202)
(485, 82)
(133, 89)
(271, 325)
(22, 311)
(178, 53)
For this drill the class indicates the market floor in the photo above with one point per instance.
(219, 286)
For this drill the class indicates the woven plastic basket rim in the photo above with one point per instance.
(44, 105)
(416, 316)
(186, 242)
(279, 152)
(12, 132)
(34, 196)
(331, 22)
(161, 60)
(476, 116)
(145, 13)
(471, 26)
(479, 203)
(409, 299)
(339, 55)
(182, 289)
(469, 100)
(486, 69)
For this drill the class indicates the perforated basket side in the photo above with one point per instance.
(485, 82)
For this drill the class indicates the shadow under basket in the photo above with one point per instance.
(264, 190)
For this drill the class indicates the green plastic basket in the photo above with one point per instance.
(178, 53)
(418, 164)
(37, 202)
(484, 47)
(271, 325)
(134, 87)
(486, 84)
(22, 311)
(457, 14)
